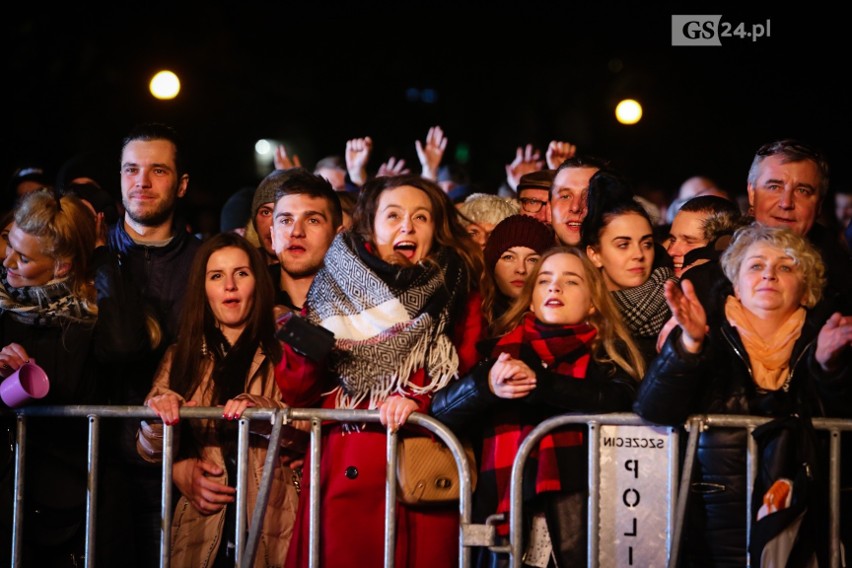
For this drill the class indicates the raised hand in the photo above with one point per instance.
(834, 337)
(527, 159)
(431, 153)
(511, 378)
(358, 151)
(393, 167)
(558, 152)
(282, 161)
(688, 312)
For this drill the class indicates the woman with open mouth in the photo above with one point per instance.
(399, 293)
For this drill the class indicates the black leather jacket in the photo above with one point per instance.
(467, 405)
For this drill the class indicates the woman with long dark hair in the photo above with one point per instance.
(224, 356)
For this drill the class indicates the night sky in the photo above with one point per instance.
(78, 82)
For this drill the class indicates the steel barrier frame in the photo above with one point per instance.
(470, 535)
(246, 541)
(694, 425)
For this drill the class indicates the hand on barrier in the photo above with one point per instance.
(167, 406)
(234, 408)
(395, 411)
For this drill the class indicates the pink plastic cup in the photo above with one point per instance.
(28, 383)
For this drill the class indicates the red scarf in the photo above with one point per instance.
(564, 350)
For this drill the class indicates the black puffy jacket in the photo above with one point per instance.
(718, 380)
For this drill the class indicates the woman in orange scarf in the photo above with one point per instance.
(772, 354)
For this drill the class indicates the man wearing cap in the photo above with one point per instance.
(534, 194)
(262, 205)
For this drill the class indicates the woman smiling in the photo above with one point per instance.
(770, 355)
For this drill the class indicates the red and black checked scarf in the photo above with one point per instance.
(564, 350)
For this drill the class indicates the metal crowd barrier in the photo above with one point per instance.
(694, 425)
(246, 539)
(470, 535)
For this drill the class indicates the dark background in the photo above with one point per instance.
(501, 77)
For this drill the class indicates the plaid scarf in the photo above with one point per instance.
(49, 305)
(644, 308)
(389, 321)
(564, 350)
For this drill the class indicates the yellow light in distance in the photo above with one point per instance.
(628, 111)
(164, 85)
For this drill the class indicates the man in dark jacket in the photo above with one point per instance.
(141, 278)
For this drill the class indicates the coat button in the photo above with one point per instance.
(351, 472)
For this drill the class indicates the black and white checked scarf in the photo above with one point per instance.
(644, 308)
(389, 321)
(49, 305)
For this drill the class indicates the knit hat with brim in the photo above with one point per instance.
(517, 231)
(268, 187)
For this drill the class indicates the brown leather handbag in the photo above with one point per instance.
(426, 471)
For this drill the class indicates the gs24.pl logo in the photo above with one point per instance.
(694, 30)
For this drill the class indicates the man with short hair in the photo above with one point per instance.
(787, 184)
(569, 194)
(141, 277)
(698, 222)
(306, 217)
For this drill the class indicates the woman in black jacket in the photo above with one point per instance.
(770, 355)
(563, 348)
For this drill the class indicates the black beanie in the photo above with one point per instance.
(517, 231)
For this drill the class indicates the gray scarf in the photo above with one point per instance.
(389, 321)
(644, 308)
(49, 305)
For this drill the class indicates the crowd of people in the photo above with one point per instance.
(561, 291)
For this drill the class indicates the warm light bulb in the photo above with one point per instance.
(165, 85)
(628, 111)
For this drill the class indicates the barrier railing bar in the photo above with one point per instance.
(166, 500)
(18, 506)
(390, 497)
(593, 513)
(751, 476)
(265, 487)
(92, 488)
(695, 426)
(314, 495)
(674, 465)
(834, 496)
(242, 477)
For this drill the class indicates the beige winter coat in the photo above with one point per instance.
(196, 537)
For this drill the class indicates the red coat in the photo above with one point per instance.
(352, 478)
